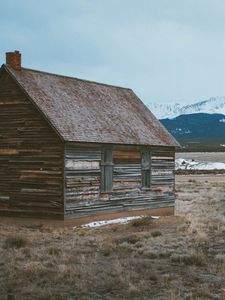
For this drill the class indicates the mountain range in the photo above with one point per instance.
(211, 106)
(198, 127)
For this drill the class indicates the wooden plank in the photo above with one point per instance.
(31, 155)
(83, 179)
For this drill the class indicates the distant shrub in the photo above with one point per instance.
(156, 233)
(129, 239)
(54, 251)
(153, 277)
(192, 180)
(15, 242)
(192, 259)
(164, 254)
(34, 268)
(34, 226)
(151, 255)
(107, 249)
(145, 221)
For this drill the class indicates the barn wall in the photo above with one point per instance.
(128, 178)
(83, 180)
(31, 157)
(83, 174)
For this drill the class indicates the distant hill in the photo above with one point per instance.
(198, 127)
(210, 106)
(199, 131)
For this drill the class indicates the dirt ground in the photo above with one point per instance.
(178, 257)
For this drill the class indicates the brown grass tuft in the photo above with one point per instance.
(34, 268)
(145, 221)
(156, 233)
(15, 242)
(189, 259)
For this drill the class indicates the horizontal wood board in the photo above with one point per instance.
(83, 194)
(31, 156)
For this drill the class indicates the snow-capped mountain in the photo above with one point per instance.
(210, 106)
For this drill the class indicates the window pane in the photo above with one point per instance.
(108, 155)
(145, 161)
(106, 170)
(108, 178)
(146, 169)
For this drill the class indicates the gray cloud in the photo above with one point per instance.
(164, 50)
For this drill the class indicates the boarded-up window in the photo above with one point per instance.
(146, 168)
(106, 170)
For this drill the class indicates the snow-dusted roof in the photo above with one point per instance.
(86, 111)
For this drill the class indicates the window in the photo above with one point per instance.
(106, 170)
(146, 168)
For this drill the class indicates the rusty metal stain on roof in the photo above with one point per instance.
(86, 111)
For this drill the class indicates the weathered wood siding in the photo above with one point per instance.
(83, 174)
(83, 194)
(127, 188)
(31, 157)
(163, 174)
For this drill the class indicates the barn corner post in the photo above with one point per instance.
(64, 181)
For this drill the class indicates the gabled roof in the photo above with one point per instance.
(86, 111)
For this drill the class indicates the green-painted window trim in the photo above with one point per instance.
(146, 170)
(107, 169)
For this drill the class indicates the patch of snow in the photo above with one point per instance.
(188, 164)
(181, 131)
(187, 131)
(222, 120)
(163, 111)
(114, 221)
(222, 145)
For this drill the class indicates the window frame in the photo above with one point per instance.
(107, 169)
(146, 169)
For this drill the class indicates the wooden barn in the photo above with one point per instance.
(72, 148)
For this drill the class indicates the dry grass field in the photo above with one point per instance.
(180, 257)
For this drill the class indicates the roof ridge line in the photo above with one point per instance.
(75, 78)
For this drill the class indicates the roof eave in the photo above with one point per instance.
(174, 142)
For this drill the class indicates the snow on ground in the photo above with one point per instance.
(190, 164)
(114, 221)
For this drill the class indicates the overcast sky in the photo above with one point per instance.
(165, 50)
